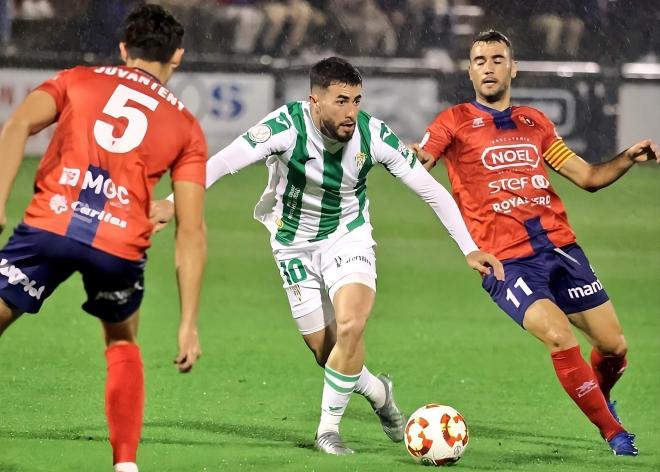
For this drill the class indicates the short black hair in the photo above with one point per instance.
(151, 33)
(493, 36)
(333, 70)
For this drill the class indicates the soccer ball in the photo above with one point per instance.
(436, 435)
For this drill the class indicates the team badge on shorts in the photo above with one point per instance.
(360, 157)
(295, 290)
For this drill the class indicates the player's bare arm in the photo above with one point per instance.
(37, 111)
(190, 260)
(425, 157)
(593, 177)
(161, 213)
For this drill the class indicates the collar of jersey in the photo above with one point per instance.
(146, 73)
(502, 118)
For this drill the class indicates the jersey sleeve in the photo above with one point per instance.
(272, 135)
(555, 152)
(442, 203)
(191, 164)
(397, 158)
(439, 134)
(56, 87)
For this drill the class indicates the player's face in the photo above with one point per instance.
(336, 109)
(491, 70)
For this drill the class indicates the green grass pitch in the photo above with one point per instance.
(252, 402)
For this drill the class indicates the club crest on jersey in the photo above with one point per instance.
(478, 122)
(526, 120)
(360, 157)
(260, 133)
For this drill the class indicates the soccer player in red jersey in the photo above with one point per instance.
(495, 156)
(118, 131)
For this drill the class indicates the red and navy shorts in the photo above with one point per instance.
(34, 262)
(560, 274)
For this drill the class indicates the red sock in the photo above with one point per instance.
(608, 370)
(580, 383)
(124, 400)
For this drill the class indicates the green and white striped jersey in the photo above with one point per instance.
(317, 187)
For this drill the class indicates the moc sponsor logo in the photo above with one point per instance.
(512, 155)
(15, 276)
(518, 183)
(585, 290)
(71, 176)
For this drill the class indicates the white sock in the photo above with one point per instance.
(126, 467)
(337, 389)
(371, 387)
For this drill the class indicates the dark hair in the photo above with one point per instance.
(334, 70)
(493, 36)
(152, 33)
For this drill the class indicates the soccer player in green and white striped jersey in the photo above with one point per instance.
(315, 205)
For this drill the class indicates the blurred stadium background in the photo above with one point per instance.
(252, 403)
(591, 65)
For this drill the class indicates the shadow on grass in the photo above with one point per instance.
(77, 435)
(525, 435)
(249, 431)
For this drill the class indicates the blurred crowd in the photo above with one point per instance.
(600, 30)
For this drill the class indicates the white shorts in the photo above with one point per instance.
(312, 274)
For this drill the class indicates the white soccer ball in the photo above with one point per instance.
(436, 435)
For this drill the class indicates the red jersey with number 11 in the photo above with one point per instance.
(495, 161)
(118, 131)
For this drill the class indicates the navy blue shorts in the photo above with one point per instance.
(34, 262)
(562, 275)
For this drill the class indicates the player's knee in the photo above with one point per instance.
(351, 330)
(615, 346)
(558, 339)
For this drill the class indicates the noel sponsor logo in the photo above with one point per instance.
(512, 155)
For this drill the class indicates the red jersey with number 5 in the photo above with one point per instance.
(495, 162)
(118, 131)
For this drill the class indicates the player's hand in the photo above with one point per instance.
(161, 213)
(643, 151)
(189, 348)
(425, 157)
(484, 263)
